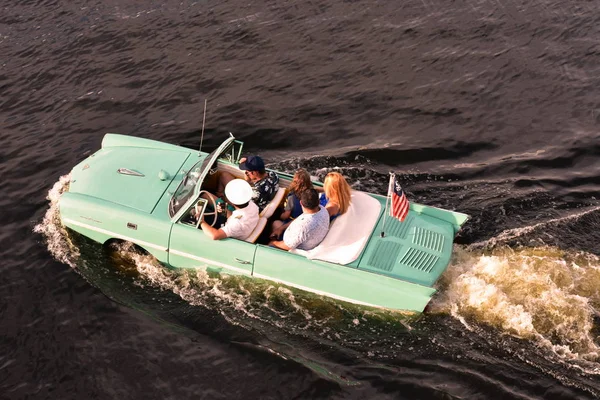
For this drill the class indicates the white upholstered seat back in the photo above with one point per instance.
(349, 233)
(265, 214)
(273, 204)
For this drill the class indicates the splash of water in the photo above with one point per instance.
(51, 228)
(260, 304)
(229, 294)
(544, 294)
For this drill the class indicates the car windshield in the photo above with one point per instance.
(185, 190)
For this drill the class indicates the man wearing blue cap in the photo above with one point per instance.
(264, 184)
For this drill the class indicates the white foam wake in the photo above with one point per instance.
(227, 294)
(543, 294)
(55, 234)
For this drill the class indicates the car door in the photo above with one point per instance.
(189, 247)
(294, 269)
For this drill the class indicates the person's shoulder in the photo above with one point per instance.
(323, 213)
(273, 175)
(234, 217)
(251, 208)
(300, 220)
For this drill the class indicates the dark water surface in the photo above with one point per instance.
(488, 107)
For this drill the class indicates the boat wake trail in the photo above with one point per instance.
(543, 294)
(509, 235)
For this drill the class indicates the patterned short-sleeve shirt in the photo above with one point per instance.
(265, 189)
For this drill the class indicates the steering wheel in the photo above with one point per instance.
(214, 213)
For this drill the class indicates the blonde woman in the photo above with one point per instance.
(337, 195)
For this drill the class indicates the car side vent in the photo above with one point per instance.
(419, 259)
(385, 255)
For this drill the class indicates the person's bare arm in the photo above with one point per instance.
(211, 232)
(332, 209)
(285, 215)
(279, 244)
(277, 232)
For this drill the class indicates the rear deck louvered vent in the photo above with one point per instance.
(419, 259)
(385, 255)
(399, 229)
(429, 239)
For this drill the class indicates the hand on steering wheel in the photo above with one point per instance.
(214, 213)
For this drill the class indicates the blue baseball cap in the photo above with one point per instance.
(252, 163)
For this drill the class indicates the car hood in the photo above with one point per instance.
(130, 176)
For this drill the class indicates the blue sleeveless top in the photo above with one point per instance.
(323, 200)
(297, 208)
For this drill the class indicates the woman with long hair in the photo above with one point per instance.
(292, 209)
(300, 183)
(337, 194)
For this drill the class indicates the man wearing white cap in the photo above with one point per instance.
(242, 221)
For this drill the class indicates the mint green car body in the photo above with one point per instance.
(134, 189)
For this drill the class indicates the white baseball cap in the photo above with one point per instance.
(238, 192)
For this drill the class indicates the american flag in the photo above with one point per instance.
(399, 207)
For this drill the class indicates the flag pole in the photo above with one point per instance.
(387, 199)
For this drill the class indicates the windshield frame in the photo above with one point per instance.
(196, 175)
(189, 182)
